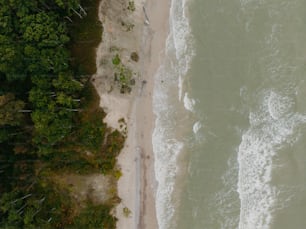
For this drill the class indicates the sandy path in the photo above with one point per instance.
(137, 186)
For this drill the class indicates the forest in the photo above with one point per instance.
(50, 115)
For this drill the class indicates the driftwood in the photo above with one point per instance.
(147, 22)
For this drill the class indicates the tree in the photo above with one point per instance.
(10, 203)
(22, 7)
(10, 110)
(40, 98)
(11, 61)
(65, 100)
(66, 83)
(50, 128)
(43, 82)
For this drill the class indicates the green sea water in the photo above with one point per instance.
(244, 126)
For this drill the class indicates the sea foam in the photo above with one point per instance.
(181, 40)
(273, 125)
(196, 127)
(166, 146)
(188, 102)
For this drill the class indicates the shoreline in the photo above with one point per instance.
(137, 185)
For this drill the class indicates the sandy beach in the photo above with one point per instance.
(137, 185)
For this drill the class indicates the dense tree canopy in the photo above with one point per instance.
(10, 110)
(42, 122)
(33, 44)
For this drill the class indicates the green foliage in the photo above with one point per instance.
(70, 161)
(47, 205)
(4, 134)
(92, 132)
(110, 151)
(50, 129)
(43, 82)
(117, 173)
(40, 98)
(44, 29)
(85, 34)
(40, 34)
(11, 60)
(91, 129)
(47, 122)
(44, 206)
(10, 110)
(131, 6)
(92, 136)
(127, 212)
(123, 75)
(34, 55)
(93, 217)
(68, 5)
(116, 60)
(66, 83)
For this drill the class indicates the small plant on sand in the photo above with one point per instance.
(122, 123)
(116, 60)
(123, 75)
(123, 126)
(131, 6)
(114, 49)
(128, 26)
(117, 174)
(126, 212)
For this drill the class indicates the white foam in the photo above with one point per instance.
(279, 106)
(273, 124)
(166, 147)
(226, 200)
(188, 102)
(166, 150)
(181, 40)
(196, 127)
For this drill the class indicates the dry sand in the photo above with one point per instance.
(137, 186)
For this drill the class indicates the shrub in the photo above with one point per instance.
(134, 56)
(93, 217)
(131, 6)
(116, 60)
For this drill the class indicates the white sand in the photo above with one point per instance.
(137, 186)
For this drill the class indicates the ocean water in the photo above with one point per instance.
(230, 105)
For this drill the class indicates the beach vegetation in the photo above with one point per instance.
(95, 216)
(134, 56)
(116, 60)
(127, 25)
(131, 6)
(123, 75)
(117, 173)
(126, 212)
(114, 49)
